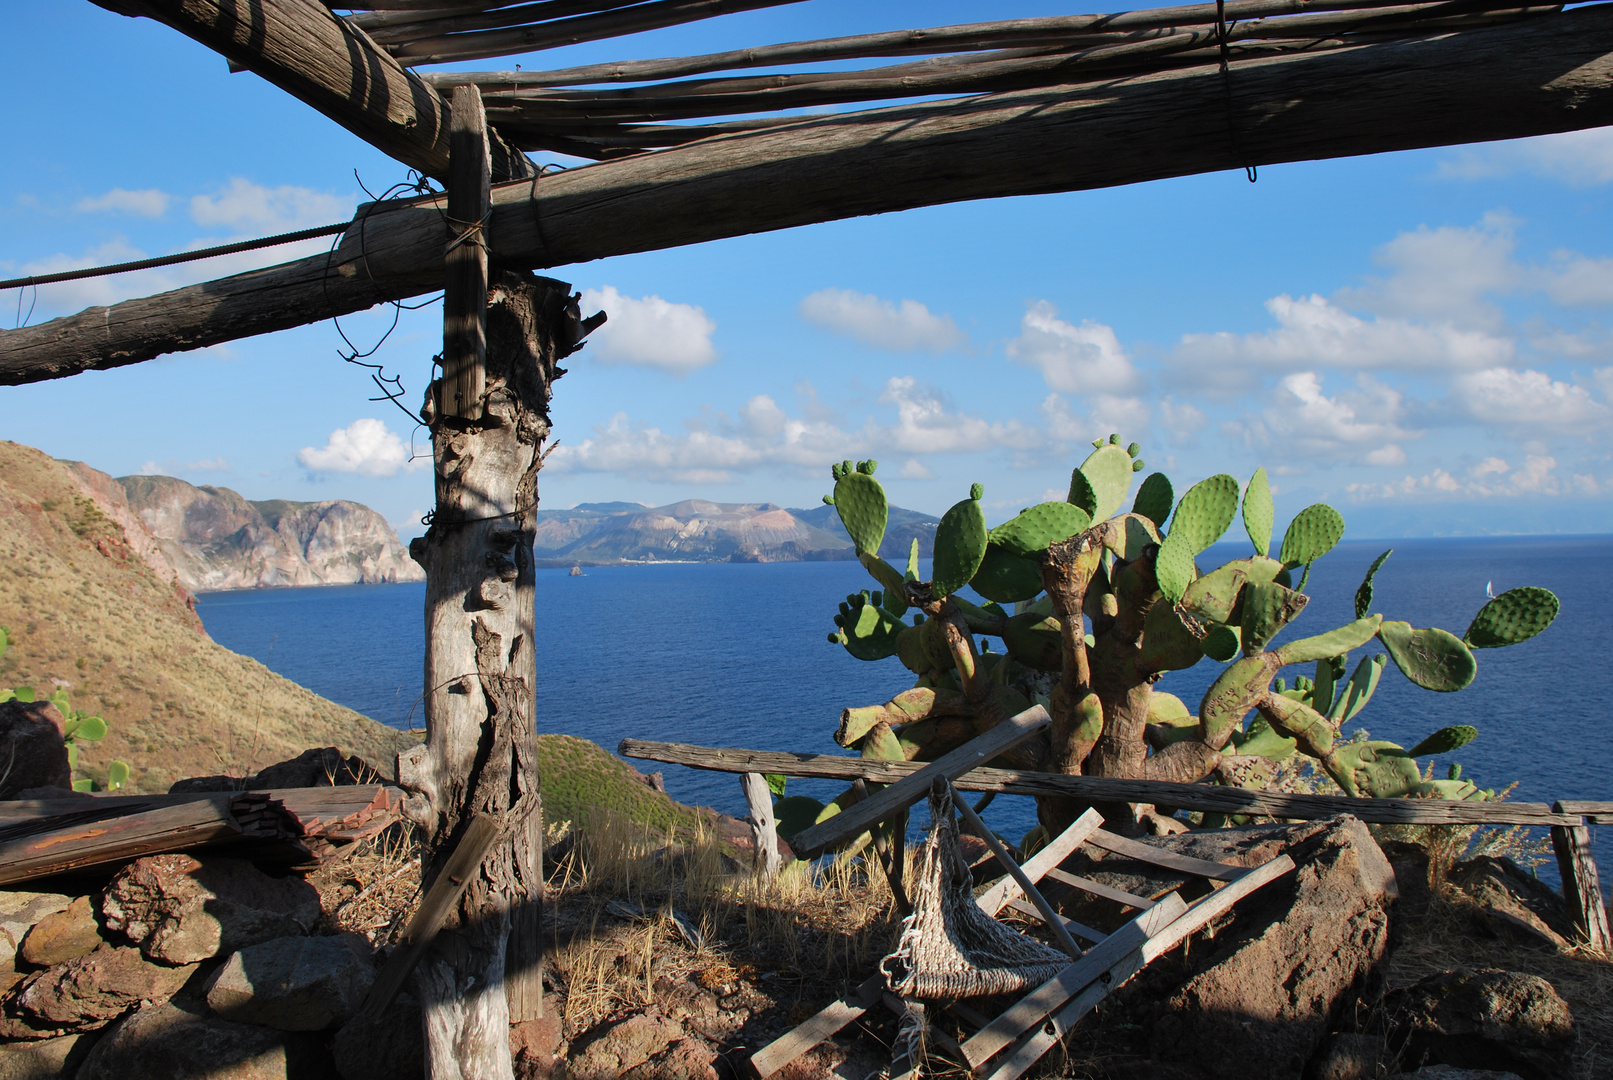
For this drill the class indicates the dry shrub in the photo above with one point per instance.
(373, 887)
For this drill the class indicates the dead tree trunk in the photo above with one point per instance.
(479, 754)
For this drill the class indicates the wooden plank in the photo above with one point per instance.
(1594, 813)
(1076, 881)
(1038, 1042)
(464, 301)
(1549, 74)
(480, 836)
(1031, 1008)
(1210, 798)
(1170, 860)
(847, 824)
(764, 830)
(304, 802)
(109, 842)
(828, 1020)
(299, 46)
(1049, 916)
(1582, 887)
(1007, 890)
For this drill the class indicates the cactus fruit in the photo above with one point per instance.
(1516, 615)
(860, 501)
(1108, 469)
(1154, 500)
(1206, 510)
(960, 545)
(1446, 740)
(1363, 595)
(1258, 512)
(1006, 578)
(1432, 658)
(1040, 527)
(1313, 533)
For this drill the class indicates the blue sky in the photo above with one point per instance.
(1421, 339)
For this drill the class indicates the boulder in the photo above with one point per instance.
(385, 1047)
(686, 1059)
(1487, 1019)
(180, 909)
(321, 767)
(1258, 999)
(533, 1046)
(622, 1047)
(33, 745)
(294, 983)
(1512, 903)
(62, 935)
(178, 1041)
(1351, 1056)
(43, 1059)
(87, 992)
(19, 911)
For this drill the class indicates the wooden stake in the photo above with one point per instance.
(464, 301)
(1582, 888)
(764, 830)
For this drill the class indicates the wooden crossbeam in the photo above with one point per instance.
(299, 46)
(1210, 798)
(1548, 74)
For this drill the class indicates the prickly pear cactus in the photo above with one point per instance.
(1121, 595)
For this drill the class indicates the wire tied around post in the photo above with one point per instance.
(1226, 82)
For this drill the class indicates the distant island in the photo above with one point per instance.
(696, 530)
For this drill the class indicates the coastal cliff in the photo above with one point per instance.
(214, 539)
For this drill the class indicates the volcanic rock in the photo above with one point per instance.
(19, 911)
(180, 909)
(63, 935)
(294, 983)
(384, 1047)
(178, 1039)
(1514, 904)
(1484, 1019)
(86, 992)
(43, 1059)
(32, 743)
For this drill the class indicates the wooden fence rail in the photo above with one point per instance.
(1569, 821)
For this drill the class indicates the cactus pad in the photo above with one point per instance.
(1082, 495)
(1215, 596)
(1363, 595)
(1167, 645)
(1155, 497)
(1034, 530)
(1205, 512)
(1446, 740)
(1355, 694)
(1311, 534)
(1034, 640)
(1516, 615)
(1234, 692)
(1222, 643)
(1432, 658)
(910, 650)
(1376, 770)
(860, 501)
(867, 630)
(1267, 608)
(1258, 512)
(960, 545)
(1108, 469)
(795, 813)
(1263, 741)
(1174, 568)
(1006, 578)
(1333, 643)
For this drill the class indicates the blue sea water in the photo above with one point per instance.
(735, 655)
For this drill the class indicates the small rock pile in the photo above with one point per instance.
(186, 966)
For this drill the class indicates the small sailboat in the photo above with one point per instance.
(1488, 591)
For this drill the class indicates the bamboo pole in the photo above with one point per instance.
(1545, 75)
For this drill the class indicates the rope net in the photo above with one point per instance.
(949, 948)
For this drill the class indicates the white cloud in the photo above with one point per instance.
(246, 206)
(650, 331)
(1491, 478)
(914, 469)
(881, 323)
(148, 202)
(1312, 332)
(1106, 414)
(1578, 281)
(1507, 396)
(925, 424)
(366, 446)
(1443, 275)
(1580, 158)
(1085, 359)
(1360, 424)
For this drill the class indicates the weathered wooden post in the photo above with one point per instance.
(489, 418)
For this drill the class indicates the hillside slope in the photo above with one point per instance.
(697, 530)
(86, 611)
(215, 539)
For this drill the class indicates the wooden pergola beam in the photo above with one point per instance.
(301, 47)
(1550, 74)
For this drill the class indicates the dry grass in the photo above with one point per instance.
(373, 888)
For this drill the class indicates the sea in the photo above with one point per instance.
(736, 655)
